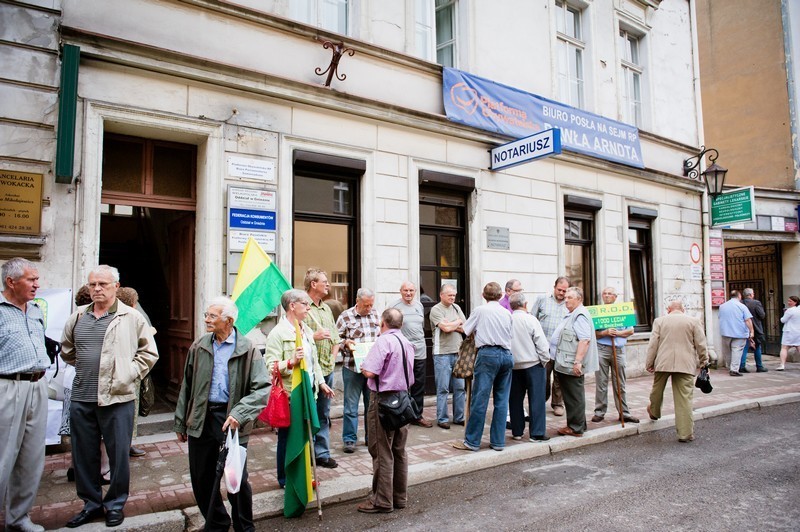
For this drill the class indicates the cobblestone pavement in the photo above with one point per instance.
(160, 480)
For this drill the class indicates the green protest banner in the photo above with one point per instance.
(613, 316)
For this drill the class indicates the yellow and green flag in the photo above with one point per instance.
(258, 287)
(299, 488)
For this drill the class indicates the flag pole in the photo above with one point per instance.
(314, 481)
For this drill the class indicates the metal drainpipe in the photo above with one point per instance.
(705, 218)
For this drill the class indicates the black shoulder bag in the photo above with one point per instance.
(396, 409)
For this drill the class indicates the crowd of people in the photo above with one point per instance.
(524, 356)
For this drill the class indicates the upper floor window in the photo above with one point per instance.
(446, 32)
(327, 14)
(631, 63)
(435, 31)
(570, 48)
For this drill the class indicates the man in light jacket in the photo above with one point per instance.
(530, 350)
(677, 349)
(112, 348)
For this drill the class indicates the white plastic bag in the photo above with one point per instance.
(234, 463)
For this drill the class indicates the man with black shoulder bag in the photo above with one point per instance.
(389, 367)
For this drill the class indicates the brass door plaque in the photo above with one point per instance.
(20, 202)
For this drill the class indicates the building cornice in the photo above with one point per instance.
(107, 49)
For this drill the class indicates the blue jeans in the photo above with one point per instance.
(756, 355)
(355, 386)
(443, 372)
(532, 381)
(492, 376)
(322, 440)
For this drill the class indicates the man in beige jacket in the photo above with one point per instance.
(677, 349)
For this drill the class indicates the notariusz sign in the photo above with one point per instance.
(523, 150)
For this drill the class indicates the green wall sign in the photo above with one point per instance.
(613, 316)
(733, 207)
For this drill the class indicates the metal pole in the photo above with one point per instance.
(615, 371)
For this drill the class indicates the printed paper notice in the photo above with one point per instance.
(360, 354)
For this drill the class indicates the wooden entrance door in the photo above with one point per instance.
(180, 334)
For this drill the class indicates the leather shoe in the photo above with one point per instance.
(84, 517)
(349, 447)
(566, 431)
(369, 508)
(686, 440)
(136, 452)
(649, 413)
(734, 374)
(444, 425)
(558, 410)
(630, 419)
(459, 422)
(744, 370)
(597, 419)
(543, 437)
(328, 463)
(761, 370)
(422, 422)
(114, 517)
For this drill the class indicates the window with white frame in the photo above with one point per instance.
(423, 29)
(570, 47)
(327, 14)
(632, 69)
(446, 32)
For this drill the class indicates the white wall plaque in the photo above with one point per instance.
(251, 198)
(251, 168)
(237, 239)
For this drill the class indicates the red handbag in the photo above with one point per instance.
(277, 413)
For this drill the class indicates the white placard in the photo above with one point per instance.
(697, 272)
(251, 198)
(237, 238)
(251, 168)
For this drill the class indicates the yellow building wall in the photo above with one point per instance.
(744, 90)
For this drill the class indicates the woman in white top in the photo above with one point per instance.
(791, 329)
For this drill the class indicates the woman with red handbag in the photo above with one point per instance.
(282, 349)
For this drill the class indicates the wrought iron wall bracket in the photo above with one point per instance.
(692, 164)
(338, 49)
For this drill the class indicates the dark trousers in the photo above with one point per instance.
(529, 381)
(114, 424)
(283, 435)
(574, 400)
(418, 388)
(203, 456)
(557, 396)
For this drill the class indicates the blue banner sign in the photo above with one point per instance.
(251, 219)
(491, 106)
(523, 150)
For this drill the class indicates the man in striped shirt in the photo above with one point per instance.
(111, 346)
(357, 325)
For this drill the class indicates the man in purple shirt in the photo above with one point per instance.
(513, 286)
(389, 363)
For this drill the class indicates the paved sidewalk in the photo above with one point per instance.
(161, 496)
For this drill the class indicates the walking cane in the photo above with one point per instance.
(615, 370)
(223, 454)
(314, 481)
(468, 391)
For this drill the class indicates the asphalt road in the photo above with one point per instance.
(741, 473)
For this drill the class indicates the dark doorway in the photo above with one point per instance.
(442, 256)
(759, 267)
(147, 230)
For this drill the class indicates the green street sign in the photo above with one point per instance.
(733, 207)
(613, 316)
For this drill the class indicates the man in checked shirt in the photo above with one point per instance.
(356, 325)
(23, 393)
